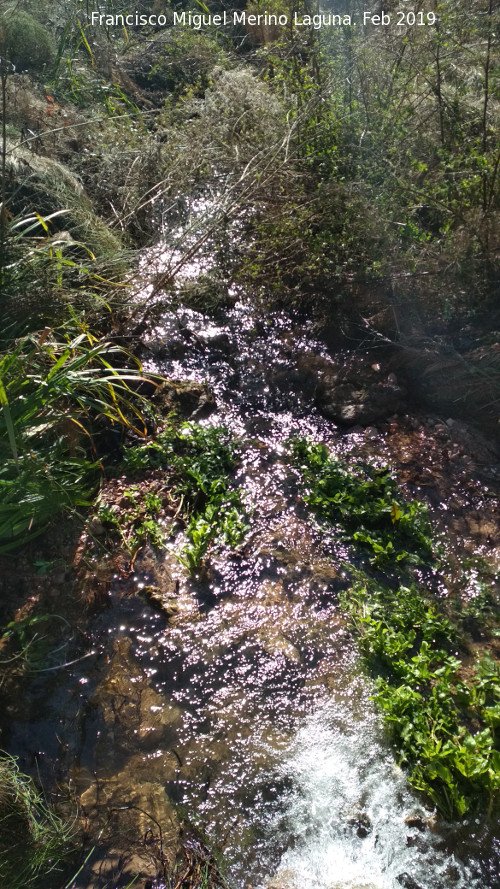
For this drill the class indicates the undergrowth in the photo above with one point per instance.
(443, 715)
(366, 504)
(199, 461)
(58, 390)
(445, 729)
(33, 840)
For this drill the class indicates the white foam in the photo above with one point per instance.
(347, 812)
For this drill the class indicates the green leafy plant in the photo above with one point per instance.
(365, 503)
(221, 519)
(444, 727)
(199, 460)
(26, 644)
(137, 522)
(410, 647)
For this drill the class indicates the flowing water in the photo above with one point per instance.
(250, 708)
(299, 781)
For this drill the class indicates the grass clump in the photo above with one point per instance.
(443, 715)
(27, 44)
(58, 390)
(32, 838)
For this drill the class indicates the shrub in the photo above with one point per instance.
(27, 43)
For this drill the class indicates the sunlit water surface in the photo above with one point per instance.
(273, 747)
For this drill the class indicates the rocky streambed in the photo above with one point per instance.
(235, 699)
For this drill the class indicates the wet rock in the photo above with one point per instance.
(357, 402)
(352, 884)
(452, 873)
(129, 814)
(413, 423)
(155, 716)
(206, 406)
(285, 879)
(131, 710)
(167, 600)
(275, 643)
(191, 400)
(471, 441)
(460, 385)
(127, 805)
(416, 842)
(174, 347)
(416, 820)
(171, 340)
(362, 824)
(217, 341)
(356, 392)
(408, 882)
(96, 528)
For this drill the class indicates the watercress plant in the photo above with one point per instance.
(442, 713)
(198, 461)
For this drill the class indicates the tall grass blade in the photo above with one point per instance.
(4, 401)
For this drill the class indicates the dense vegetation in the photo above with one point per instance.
(197, 462)
(350, 173)
(444, 727)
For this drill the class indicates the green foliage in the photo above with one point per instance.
(430, 711)
(366, 504)
(47, 274)
(26, 644)
(477, 608)
(220, 520)
(444, 727)
(187, 62)
(199, 460)
(54, 389)
(33, 839)
(28, 45)
(405, 122)
(138, 522)
(310, 246)
(201, 453)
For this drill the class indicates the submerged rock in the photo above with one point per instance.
(189, 399)
(414, 819)
(362, 823)
(358, 399)
(352, 884)
(355, 392)
(283, 880)
(408, 882)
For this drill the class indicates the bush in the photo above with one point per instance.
(27, 44)
(186, 63)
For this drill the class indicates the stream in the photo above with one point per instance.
(249, 708)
